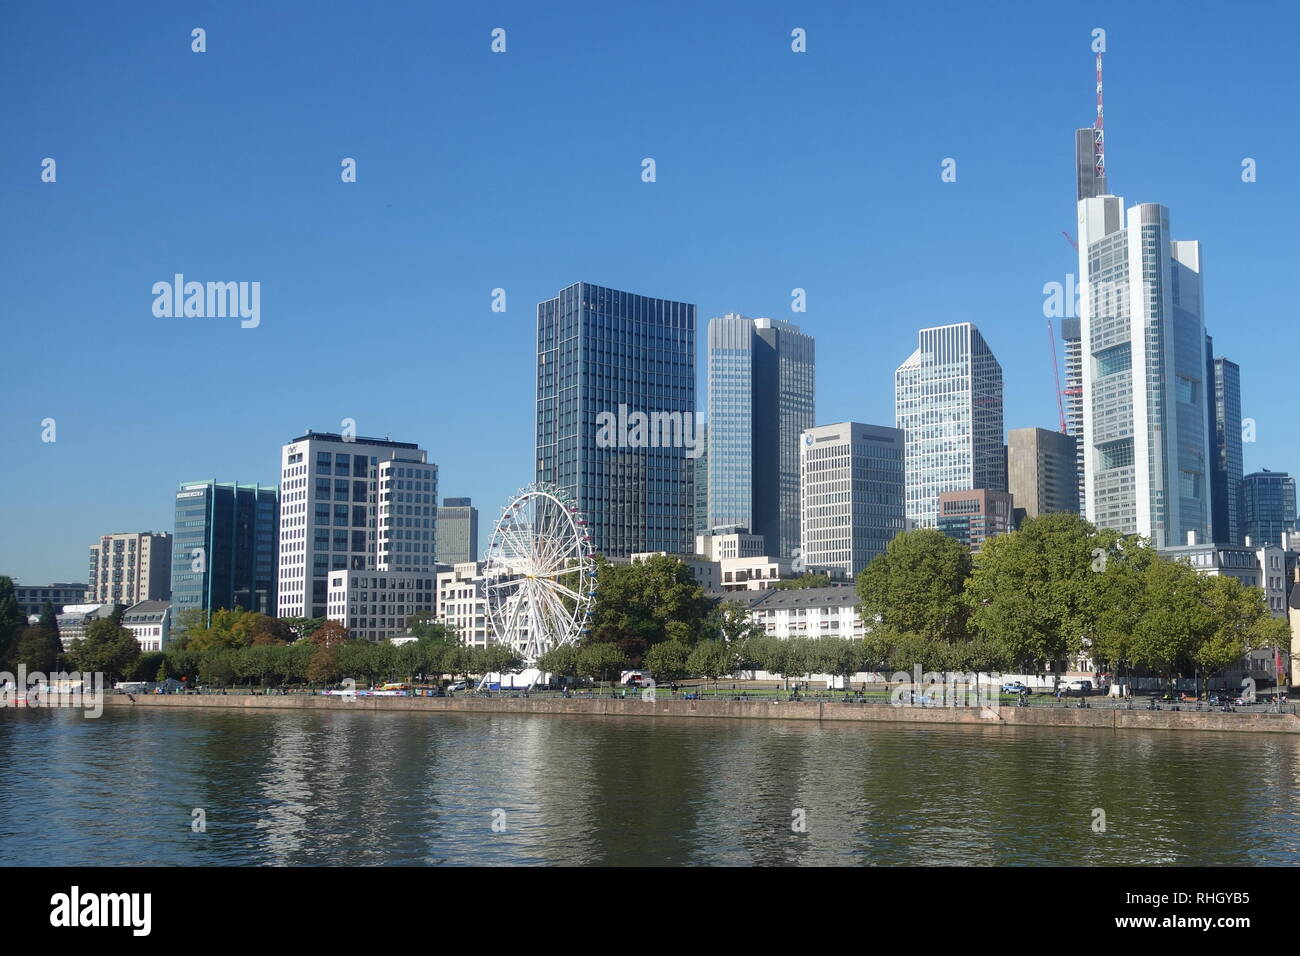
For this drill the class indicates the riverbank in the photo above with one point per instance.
(818, 710)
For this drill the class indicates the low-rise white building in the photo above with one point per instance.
(150, 624)
(462, 602)
(808, 612)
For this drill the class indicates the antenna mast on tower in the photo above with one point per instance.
(1099, 131)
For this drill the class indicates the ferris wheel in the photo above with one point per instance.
(540, 573)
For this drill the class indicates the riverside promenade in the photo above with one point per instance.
(817, 710)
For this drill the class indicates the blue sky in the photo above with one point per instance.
(521, 171)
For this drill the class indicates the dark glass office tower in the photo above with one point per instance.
(761, 398)
(1269, 502)
(1224, 401)
(224, 547)
(603, 354)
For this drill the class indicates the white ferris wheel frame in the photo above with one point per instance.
(540, 538)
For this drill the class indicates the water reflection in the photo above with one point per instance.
(319, 788)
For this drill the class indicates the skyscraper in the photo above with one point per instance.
(1146, 442)
(1224, 399)
(1269, 506)
(224, 548)
(761, 398)
(1072, 336)
(948, 402)
(616, 414)
(851, 492)
(457, 532)
(700, 517)
(351, 504)
(1041, 471)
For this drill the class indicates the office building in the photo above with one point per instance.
(75, 618)
(457, 532)
(738, 544)
(1041, 472)
(1224, 395)
(354, 504)
(1073, 395)
(616, 425)
(761, 398)
(224, 548)
(31, 598)
(1269, 506)
(972, 517)
(948, 402)
(462, 602)
(700, 519)
(130, 568)
(851, 494)
(1146, 436)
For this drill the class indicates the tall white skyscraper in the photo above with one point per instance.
(1146, 437)
(360, 504)
(948, 402)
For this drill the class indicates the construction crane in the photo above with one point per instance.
(1056, 374)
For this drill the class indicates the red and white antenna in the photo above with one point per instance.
(1099, 131)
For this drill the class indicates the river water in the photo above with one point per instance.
(320, 788)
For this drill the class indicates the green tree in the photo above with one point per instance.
(599, 660)
(324, 667)
(108, 648)
(917, 585)
(1035, 591)
(808, 579)
(639, 605)
(38, 648)
(667, 660)
(711, 659)
(1174, 620)
(1242, 623)
(562, 660)
(12, 621)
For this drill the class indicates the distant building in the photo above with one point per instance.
(457, 532)
(1269, 502)
(706, 572)
(700, 520)
(1073, 394)
(77, 617)
(462, 603)
(761, 398)
(224, 548)
(851, 494)
(1262, 567)
(150, 624)
(376, 605)
(948, 402)
(734, 544)
(32, 597)
(130, 568)
(1041, 472)
(1224, 394)
(972, 517)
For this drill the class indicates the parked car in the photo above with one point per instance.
(1015, 687)
(1078, 686)
(459, 685)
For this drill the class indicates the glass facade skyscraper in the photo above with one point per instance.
(1146, 424)
(1269, 506)
(1224, 394)
(224, 548)
(761, 398)
(603, 353)
(1073, 393)
(948, 402)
